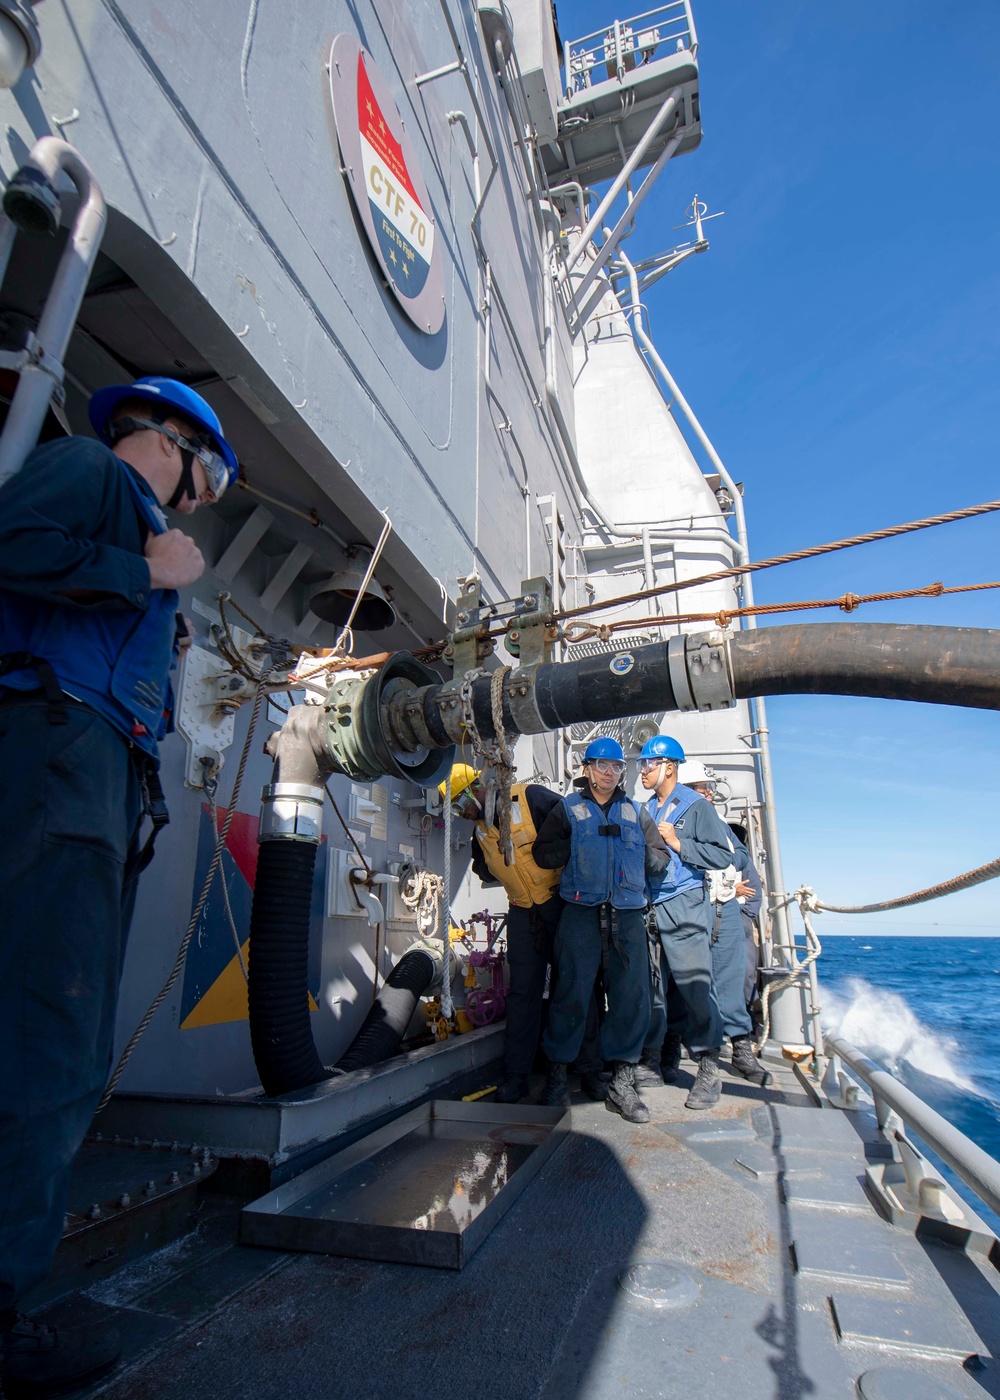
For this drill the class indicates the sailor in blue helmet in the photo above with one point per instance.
(606, 844)
(89, 573)
(728, 892)
(701, 845)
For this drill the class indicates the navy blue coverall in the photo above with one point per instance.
(71, 534)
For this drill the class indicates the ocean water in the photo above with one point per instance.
(928, 1010)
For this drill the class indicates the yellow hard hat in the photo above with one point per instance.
(463, 775)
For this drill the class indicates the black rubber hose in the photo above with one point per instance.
(895, 661)
(280, 1030)
(385, 1025)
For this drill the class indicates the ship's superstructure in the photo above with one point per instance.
(388, 244)
(502, 419)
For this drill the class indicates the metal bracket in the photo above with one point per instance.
(530, 638)
(469, 646)
(709, 670)
(913, 1196)
(207, 726)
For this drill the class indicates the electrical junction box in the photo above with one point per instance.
(538, 59)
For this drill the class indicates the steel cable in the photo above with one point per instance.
(870, 537)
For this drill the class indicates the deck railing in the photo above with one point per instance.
(979, 1171)
(608, 54)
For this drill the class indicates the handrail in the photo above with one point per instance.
(979, 1171)
(623, 44)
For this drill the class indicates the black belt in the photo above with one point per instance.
(24, 661)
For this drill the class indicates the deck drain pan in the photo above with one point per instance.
(426, 1189)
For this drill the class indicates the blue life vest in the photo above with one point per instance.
(116, 661)
(607, 863)
(678, 877)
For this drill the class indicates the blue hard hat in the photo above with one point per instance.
(169, 394)
(662, 746)
(603, 748)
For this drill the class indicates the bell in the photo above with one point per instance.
(333, 600)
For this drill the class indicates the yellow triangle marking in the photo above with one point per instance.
(226, 998)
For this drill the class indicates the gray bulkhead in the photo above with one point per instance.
(234, 258)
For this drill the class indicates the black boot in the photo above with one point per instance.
(556, 1091)
(512, 1089)
(670, 1057)
(593, 1085)
(745, 1062)
(36, 1359)
(708, 1083)
(648, 1074)
(622, 1097)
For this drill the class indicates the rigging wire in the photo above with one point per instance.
(847, 602)
(870, 537)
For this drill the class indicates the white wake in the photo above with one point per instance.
(883, 1025)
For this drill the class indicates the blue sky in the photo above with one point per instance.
(840, 343)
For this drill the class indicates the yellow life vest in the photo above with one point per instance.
(525, 882)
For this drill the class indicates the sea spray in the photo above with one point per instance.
(883, 1025)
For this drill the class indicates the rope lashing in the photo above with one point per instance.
(978, 876)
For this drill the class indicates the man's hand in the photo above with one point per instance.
(174, 560)
(744, 890)
(666, 830)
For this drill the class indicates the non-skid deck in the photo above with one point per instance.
(723, 1255)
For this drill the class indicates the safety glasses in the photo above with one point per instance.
(608, 765)
(650, 765)
(213, 463)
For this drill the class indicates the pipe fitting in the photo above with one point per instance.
(709, 670)
(291, 812)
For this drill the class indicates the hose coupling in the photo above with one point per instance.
(291, 812)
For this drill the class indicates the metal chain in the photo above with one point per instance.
(503, 765)
(468, 716)
(175, 971)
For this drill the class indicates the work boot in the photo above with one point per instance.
(648, 1074)
(622, 1097)
(745, 1062)
(670, 1057)
(593, 1085)
(556, 1091)
(708, 1084)
(36, 1359)
(512, 1089)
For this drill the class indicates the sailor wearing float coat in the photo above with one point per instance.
(606, 843)
(696, 934)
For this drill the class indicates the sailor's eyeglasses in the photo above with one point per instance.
(608, 765)
(213, 464)
(650, 765)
